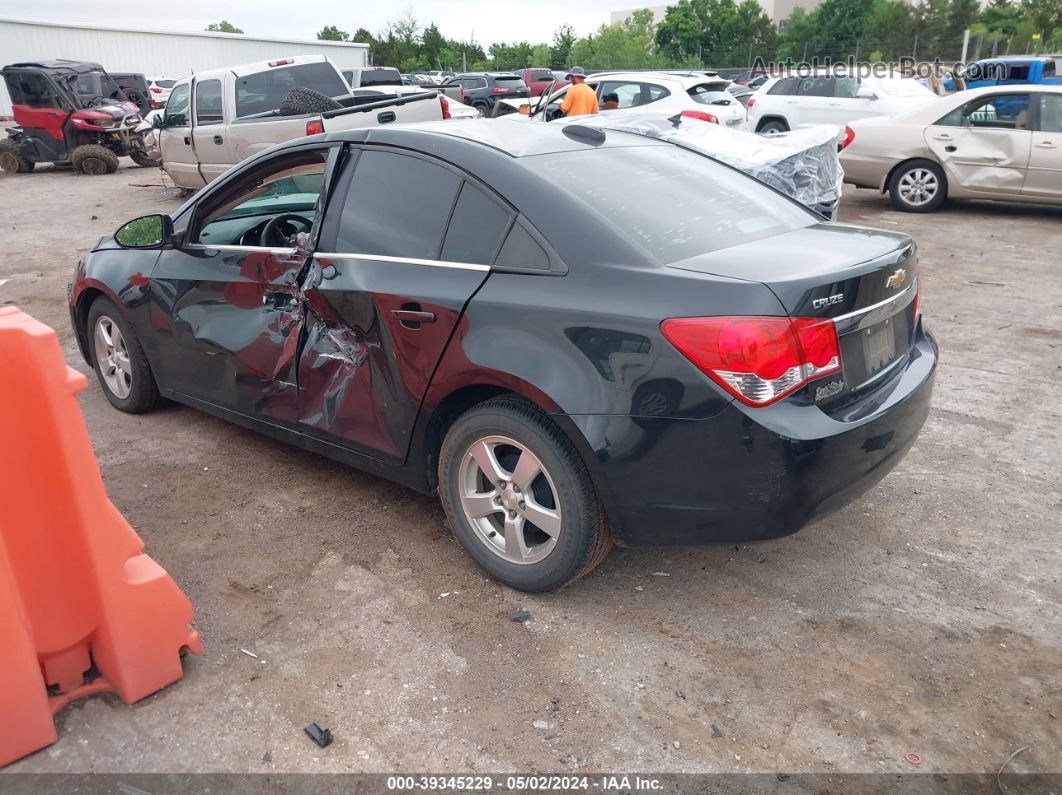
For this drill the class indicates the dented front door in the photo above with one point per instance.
(1044, 178)
(986, 145)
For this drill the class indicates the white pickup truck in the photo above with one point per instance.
(218, 118)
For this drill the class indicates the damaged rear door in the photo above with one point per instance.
(984, 144)
(406, 241)
(227, 309)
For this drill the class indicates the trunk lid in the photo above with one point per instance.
(863, 279)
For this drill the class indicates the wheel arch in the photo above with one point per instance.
(772, 117)
(892, 172)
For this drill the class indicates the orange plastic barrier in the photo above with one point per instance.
(82, 608)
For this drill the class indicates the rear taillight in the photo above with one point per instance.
(751, 102)
(445, 107)
(156, 90)
(461, 95)
(499, 90)
(849, 136)
(700, 114)
(314, 127)
(758, 360)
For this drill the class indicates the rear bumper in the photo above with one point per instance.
(753, 474)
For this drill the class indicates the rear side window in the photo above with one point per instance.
(476, 228)
(522, 251)
(397, 206)
(1049, 68)
(672, 202)
(540, 74)
(711, 94)
(1018, 71)
(785, 86)
(265, 91)
(164, 83)
(818, 86)
(208, 102)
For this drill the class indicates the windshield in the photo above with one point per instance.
(903, 87)
(675, 203)
(94, 86)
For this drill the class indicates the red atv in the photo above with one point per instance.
(69, 112)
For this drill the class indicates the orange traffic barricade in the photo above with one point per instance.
(82, 608)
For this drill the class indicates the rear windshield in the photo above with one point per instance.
(508, 79)
(676, 204)
(381, 77)
(265, 91)
(540, 74)
(164, 83)
(711, 94)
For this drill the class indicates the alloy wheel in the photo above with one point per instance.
(112, 357)
(918, 186)
(510, 500)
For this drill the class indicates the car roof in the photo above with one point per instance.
(684, 80)
(513, 138)
(80, 67)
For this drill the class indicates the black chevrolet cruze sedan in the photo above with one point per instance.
(576, 338)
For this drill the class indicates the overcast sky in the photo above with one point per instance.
(488, 20)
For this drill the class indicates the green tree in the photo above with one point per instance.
(223, 27)
(540, 55)
(560, 53)
(432, 44)
(363, 36)
(680, 34)
(332, 33)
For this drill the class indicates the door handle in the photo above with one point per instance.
(942, 137)
(218, 139)
(950, 148)
(411, 316)
(187, 140)
(1046, 145)
(386, 117)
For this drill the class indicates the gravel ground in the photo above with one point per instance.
(925, 617)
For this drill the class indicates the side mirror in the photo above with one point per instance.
(148, 231)
(157, 122)
(866, 92)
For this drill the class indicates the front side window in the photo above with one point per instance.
(846, 87)
(1001, 111)
(177, 107)
(673, 203)
(1051, 113)
(267, 206)
(397, 206)
(1018, 71)
(208, 109)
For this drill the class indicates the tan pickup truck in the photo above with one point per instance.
(218, 118)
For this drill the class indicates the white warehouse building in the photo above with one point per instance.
(154, 53)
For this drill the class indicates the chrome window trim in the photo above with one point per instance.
(468, 266)
(227, 247)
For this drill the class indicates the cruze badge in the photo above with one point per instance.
(830, 300)
(898, 277)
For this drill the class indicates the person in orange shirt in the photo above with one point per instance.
(580, 99)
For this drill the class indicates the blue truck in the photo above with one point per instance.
(1009, 70)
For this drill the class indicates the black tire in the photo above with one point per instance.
(772, 126)
(12, 159)
(143, 392)
(302, 99)
(583, 540)
(142, 160)
(94, 159)
(900, 193)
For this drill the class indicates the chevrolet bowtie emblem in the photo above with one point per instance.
(898, 277)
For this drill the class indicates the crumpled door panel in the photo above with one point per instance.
(982, 159)
(363, 370)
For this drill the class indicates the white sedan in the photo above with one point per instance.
(999, 142)
(633, 95)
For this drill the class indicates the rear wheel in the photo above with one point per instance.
(519, 497)
(11, 159)
(94, 159)
(918, 186)
(773, 127)
(121, 366)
